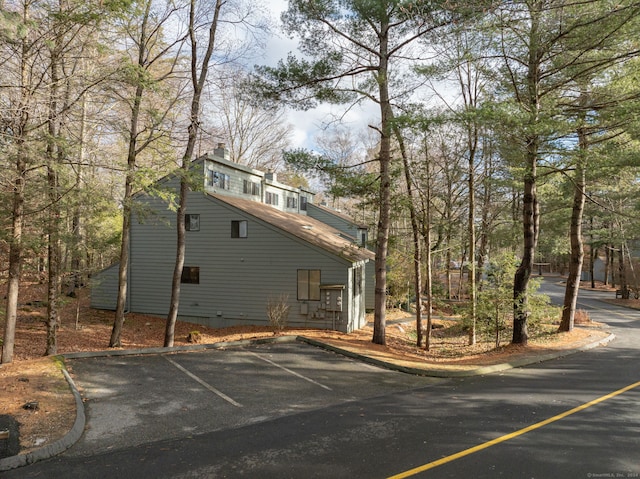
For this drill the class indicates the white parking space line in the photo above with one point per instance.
(206, 385)
(292, 372)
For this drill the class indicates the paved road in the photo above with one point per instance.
(141, 399)
(306, 413)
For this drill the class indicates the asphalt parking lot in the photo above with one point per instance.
(133, 400)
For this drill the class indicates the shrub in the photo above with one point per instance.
(581, 317)
(278, 312)
(495, 302)
(194, 337)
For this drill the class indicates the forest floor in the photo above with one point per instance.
(32, 378)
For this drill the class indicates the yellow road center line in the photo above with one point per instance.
(512, 435)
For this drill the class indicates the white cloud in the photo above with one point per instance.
(307, 125)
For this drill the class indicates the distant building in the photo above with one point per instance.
(251, 241)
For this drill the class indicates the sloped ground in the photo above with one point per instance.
(34, 379)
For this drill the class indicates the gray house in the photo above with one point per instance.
(250, 243)
(357, 232)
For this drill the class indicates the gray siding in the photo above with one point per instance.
(237, 275)
(237, 175)
(349, 228)
(370, 285)
(104, 288)
(283, 193)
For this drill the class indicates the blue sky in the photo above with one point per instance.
(307, 125)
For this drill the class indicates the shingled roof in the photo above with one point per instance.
(304, 227)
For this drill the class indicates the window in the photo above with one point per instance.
(239, 229)
(309, 284)
(291, 202)
(271, 198)
(303, 203)
(192, 222)
(218, 180)
(190, 274)
(357, 280)
(221, 180)
(250, 188)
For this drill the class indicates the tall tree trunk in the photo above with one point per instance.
(77, 255)
(448, 257)
(473, 140)
(123, 266)
(530, 207)
(17, 210)
(429, 285)
(577, 248)
(530, 218)
(15, 257)
(53, 263)
(384, 219)
(415, 230)
(428, 248)
(593, 254)
(197, 80)
(632, 280)
(622, 270)
(483, 247)
(53, 222)
(607, 265)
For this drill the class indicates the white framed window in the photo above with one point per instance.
(250, 188)
(357, 280)
(192, 222)
(271, 198)
(239, 228)
(309, 284)
(218, 180)
(291, 202)
(303, 203)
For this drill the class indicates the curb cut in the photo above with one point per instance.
(60, 445)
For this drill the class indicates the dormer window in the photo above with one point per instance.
(218, 180)
(250, 188)
(271, 198)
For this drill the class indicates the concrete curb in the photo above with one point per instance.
(177, 349)
(78, 427)
(452, 373)
(60, 445)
